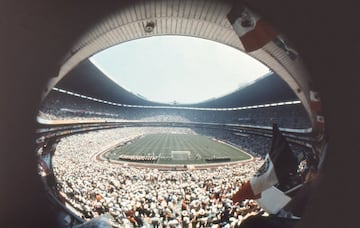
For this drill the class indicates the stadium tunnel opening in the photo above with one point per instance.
(75, 57)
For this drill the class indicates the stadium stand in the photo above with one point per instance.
(134, 196)
(254, 144)
(60, 105)
(138, 197)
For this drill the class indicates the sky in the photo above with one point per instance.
(179, 69)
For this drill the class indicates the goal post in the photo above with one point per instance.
(180, 155)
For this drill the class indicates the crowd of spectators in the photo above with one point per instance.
(256, 145)
(58, 105)
(144, 197)
(148, 197)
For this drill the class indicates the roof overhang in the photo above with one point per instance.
(203, 19)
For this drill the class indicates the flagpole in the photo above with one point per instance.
(293, 189)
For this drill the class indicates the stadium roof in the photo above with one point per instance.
(88, 80)
(204, 19)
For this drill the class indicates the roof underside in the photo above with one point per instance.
(199, 18)
(87, 79)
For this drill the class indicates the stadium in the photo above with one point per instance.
(83, 151)
(208, 145)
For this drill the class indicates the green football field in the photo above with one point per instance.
(178, 149)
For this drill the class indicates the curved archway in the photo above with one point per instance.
(203, 19)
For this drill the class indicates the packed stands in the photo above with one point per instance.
(143, 196)
(60, 105)
(138, 197)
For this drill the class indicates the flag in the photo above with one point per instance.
(272, 200)
(254, 31)
(279, 166)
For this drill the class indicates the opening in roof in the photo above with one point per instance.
(178, 69)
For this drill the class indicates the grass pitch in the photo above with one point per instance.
(196, 149)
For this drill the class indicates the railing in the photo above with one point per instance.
(65, 216)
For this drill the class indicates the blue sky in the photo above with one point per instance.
(178, 68)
